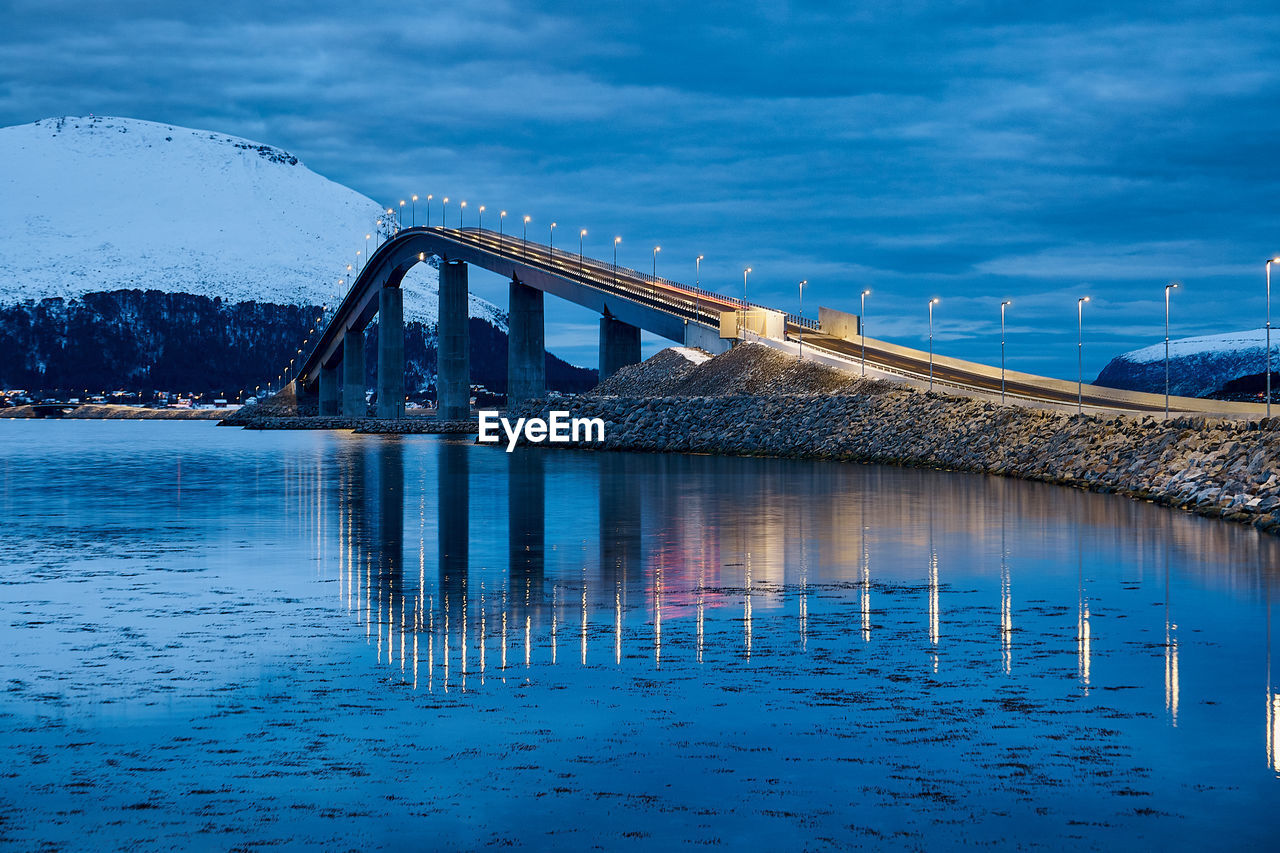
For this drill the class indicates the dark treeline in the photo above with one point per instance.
(147, 340)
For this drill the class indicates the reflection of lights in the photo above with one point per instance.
(554, 595)
(933, 596)
(1084, 637)
(746, 611)
(584, 621)
(1171, 680)
(617, 623)
(1006, 609)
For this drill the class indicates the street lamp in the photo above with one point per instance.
(444, 208)
(697, 287)
(551, 243)
(1168, 287)
(743, 313)
(461, 209)
(616, 241)
(656, 250)
(366, 245)
(801, 316)
(862, 331)
(429, 197)
(501, 216)
(932, 302)
(413, 211)
(480, 210)
(1003, 305)
(401, 213)
(581, 234)
(1080, 354)
(359, 263)
(1275, 260)
(526, 236)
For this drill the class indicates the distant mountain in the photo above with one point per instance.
(1198, 367)
(147, 253)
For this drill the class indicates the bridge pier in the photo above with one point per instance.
(453, 360)
(353, 402)
(329, 390)
(619, 345)
(391, 353)
(526, 352)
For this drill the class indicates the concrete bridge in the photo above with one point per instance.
(626, 300)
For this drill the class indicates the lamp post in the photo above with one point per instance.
(742, 315)
(502, 214)
(581, 234)
(697, 287)
(462, 207)
(801, 316)
(862, 330)
(551, 242)
(401, 220)
(444, 209)
(656, 250)
(932, 302)
(1080, 354)
(413, 211)
(616, 241)
(359, 263)
(366, 245)
(1168, 287)
(480, 212)
(429, 197)
(1003, 305)
(1268, 357)
(526, 236)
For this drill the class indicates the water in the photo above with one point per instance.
(218, 638)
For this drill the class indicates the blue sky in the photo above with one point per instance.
(970, 151)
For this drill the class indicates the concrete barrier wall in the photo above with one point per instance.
(839, 324)
(759, 322)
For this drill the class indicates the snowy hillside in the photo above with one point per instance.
(98, 204)
(1197, 366)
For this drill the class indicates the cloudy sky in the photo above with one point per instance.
(971, 151)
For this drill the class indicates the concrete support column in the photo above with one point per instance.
(453, 360)
(353, 403)
(619, 345)
(391, 353)
(526, 354)
(329, 390)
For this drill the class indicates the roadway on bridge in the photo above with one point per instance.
(704, 306)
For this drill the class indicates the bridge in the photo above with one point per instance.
(627, 301)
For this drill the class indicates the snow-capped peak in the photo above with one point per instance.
(99, 203)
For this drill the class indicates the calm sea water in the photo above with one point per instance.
(226, 639)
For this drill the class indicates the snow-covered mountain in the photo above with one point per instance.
(96, 204)
(1198, 366)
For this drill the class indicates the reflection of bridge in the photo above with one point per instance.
(627, 302)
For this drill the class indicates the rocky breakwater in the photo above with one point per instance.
(1214, 467)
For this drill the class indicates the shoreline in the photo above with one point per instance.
(1212, 467)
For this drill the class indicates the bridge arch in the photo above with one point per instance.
(626, 300)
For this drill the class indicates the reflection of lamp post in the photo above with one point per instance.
(801, 316)
(1170, 286)
(1003, 305)
(1268, 370)
(1080, 354)
(932, 302)
(862, 330)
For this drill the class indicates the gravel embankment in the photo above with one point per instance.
(767, 406)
